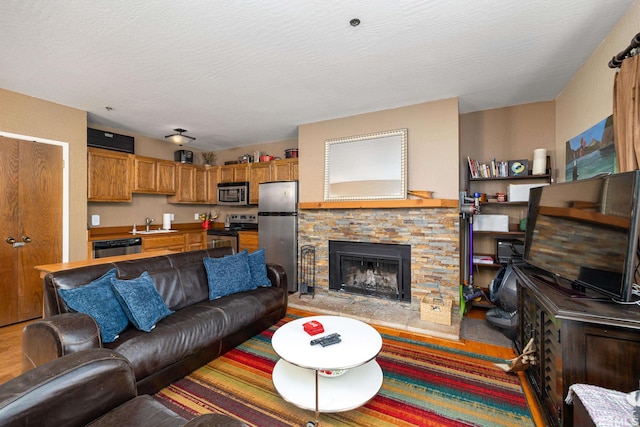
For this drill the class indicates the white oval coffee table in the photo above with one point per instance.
(296, 377)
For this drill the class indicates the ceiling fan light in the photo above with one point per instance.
(179, 138)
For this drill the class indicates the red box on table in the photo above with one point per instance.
(313, 327)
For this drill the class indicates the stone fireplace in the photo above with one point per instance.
(431, 233)
(379, 270)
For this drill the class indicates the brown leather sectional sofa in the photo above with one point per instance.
(91, 387)
(197, 332)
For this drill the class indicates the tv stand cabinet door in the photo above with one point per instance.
(604, 356)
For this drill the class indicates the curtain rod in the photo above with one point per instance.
(616, 61)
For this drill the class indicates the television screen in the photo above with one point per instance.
(587, 232)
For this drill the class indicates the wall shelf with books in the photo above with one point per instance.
(512, 178)
(496, 188)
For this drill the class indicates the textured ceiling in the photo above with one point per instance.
(237, 73)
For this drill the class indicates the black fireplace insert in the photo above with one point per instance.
(379, 270)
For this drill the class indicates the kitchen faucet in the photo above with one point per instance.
(148, 222)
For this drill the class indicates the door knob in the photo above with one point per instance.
(10, 240)
(26, 239)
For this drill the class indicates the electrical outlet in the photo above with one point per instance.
(95, 220)
(172, 217)
(196, 216)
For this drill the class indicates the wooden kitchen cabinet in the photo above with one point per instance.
(234, 173)
(575, 340)
(191, 183)
(109, 176)
(213, 178)
(153, 176)
(172, 242)
(195, 241)
(247, 240)
(284, 170)
(258, 173)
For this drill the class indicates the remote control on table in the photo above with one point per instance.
(330, 341)
(319, 340)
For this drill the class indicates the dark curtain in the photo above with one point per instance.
(626, 114)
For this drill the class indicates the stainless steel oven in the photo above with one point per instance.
(233, 193)
(237, 223)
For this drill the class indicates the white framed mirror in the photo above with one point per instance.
(366, 167)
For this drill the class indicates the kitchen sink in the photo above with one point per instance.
(154, 231)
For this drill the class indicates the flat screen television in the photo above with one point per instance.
(585, 232)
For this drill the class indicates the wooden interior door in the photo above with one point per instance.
(9, 218)
(31, 214)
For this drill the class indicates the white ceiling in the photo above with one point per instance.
(237, 73)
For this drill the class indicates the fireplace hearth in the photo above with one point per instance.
(379, 270)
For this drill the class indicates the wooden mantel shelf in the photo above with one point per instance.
(382, 204)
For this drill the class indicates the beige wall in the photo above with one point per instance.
(508, 133)
(32, 117)
(588, 97)
(432, 147)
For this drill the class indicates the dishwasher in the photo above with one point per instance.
(106, 248)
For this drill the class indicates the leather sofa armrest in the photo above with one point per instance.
(48, 339)
(277, 276)
(70, 391)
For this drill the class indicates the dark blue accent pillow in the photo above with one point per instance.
(258, 269)
(228, 275)
(141, 301)
(98, 301)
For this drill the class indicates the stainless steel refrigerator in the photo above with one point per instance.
(278, 226)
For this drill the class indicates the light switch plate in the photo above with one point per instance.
(95, 220)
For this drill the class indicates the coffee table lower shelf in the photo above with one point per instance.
(349, 391)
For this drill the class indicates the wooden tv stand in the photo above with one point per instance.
(576, 340)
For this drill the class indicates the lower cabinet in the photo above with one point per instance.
(248, 240)
(575, 341)
(180, 242)
(195, 241)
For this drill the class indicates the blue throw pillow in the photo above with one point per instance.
(98, 301)
(258, 268)
(228, 275)
(141, 301)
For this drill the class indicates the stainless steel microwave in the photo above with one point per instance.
(233, 193)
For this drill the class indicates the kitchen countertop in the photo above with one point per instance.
(124, 232)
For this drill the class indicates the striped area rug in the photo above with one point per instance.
(424, 385)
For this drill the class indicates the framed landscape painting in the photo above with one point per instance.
(592, 152)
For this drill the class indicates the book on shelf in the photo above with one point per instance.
(490, 169)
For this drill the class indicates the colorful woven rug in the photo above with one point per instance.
(424, 385)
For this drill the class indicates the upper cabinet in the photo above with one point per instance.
(109, 176)
(234, 173)
(213, 178)
(153, 176)
(191, 183)
(258, 173)
(113, 177)
(284, 170)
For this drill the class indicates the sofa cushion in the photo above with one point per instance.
(98, 300)
(174, 338)
(140, 301)
(228, 275)
(258, 268)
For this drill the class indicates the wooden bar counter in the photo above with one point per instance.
(49, 268)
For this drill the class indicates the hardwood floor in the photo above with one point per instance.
(10, 351)
(11, 343)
